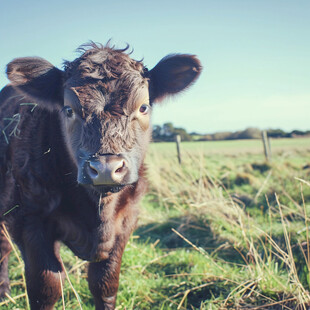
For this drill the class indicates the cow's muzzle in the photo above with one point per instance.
(103, 170)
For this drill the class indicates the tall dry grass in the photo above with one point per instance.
(270, 277)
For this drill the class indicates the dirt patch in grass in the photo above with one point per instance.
(261, 167)
(245, 178)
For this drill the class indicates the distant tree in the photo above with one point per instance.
(277, 133)
(225, 135)
(249, 133)
(208, 137)
(168, 130)
(167, 133)
(297, 133)
(182, 132)
(157, 130)
(194, 133)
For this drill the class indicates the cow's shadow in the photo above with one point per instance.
(194, 233)
(199, 237)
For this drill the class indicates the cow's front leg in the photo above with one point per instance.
(103, 277)
(43, 269)
(5, 249)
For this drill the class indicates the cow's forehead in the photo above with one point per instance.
(103, 78)
(103, 63)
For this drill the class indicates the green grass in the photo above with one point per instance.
(223, 231)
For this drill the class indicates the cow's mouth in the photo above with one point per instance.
(106, 190)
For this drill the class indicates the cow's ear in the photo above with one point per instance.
(37, 78)
(173, 74)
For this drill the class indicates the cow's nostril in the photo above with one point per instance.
(121, 168)
(93, 172)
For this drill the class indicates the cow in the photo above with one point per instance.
(72, 149)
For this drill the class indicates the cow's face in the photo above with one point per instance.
(106, 116)
(107, 133)
(105, 100)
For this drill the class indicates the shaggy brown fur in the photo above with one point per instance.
(72, 148)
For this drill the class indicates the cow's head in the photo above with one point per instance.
(105, 99)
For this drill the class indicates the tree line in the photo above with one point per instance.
(167, 133)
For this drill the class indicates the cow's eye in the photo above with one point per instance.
(144, 109)
(68, 111)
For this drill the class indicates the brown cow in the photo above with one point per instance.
(72, 147)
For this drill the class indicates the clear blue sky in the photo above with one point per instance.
(256, 54)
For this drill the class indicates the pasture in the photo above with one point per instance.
(224, 230)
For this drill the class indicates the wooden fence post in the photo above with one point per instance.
(178, 142)
(267, 148)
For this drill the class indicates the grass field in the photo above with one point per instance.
(224, 230)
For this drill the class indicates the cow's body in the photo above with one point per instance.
(57, 148)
